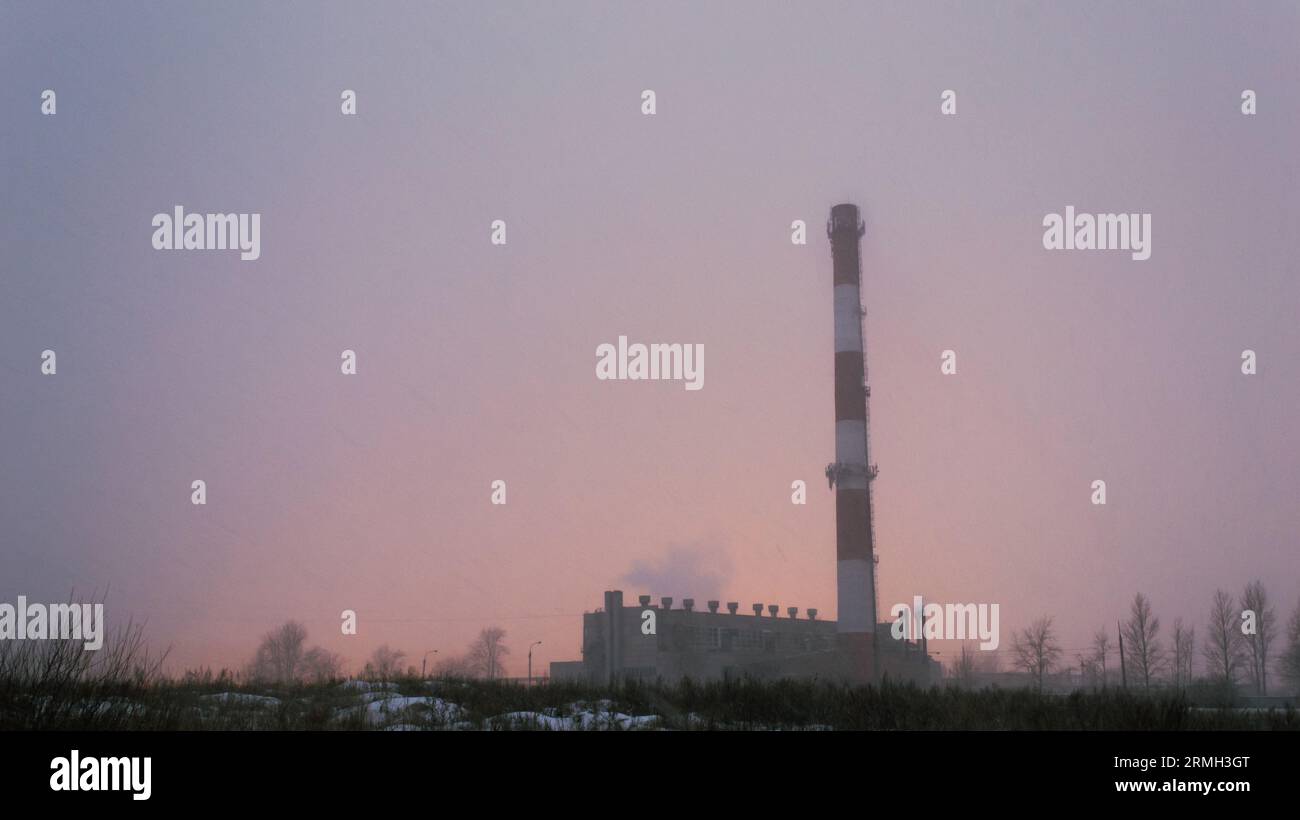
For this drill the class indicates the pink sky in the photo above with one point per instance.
(477, 362)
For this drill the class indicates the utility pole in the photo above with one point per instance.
(425, 660)
(1123, 672)
(530, 662)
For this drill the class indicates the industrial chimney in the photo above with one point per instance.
(851, 473)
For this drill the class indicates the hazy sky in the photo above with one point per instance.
(476, 362)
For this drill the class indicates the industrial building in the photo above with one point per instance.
(712, 644)
(765, 642)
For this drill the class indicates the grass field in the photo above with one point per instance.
(54, 685)
(412, 704)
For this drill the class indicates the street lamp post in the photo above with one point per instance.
(530, 661)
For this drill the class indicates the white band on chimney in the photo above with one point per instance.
(848, 319)
(851, 446)
(853, 581)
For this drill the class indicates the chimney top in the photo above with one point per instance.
(732, 606)
(666, 603)
(688, 604)
(844, 217)
(793, 612)
(773, 609)
(713, 606)
(645, 600)
(812, 613)
(758, 610)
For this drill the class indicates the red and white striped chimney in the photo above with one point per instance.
(852, 471)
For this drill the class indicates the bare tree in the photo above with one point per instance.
(1222, 648)
(321, 665)
(1142, 634)
(1259, 643)
(57, 683)
(1291, 655)
(279, 656)
(59, 668)
(1036, 649)
(453, 666)
(385, 662)
(487, 653)
(1184, 643)
(1100, 649)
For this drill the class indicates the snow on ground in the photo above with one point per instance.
(380, 706)
(391, 711)
(371, 697)
(377, 711)
(581, 718)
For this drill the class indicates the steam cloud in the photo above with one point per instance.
(683, 571)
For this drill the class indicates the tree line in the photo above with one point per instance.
(282, 656)
(1239, 647)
